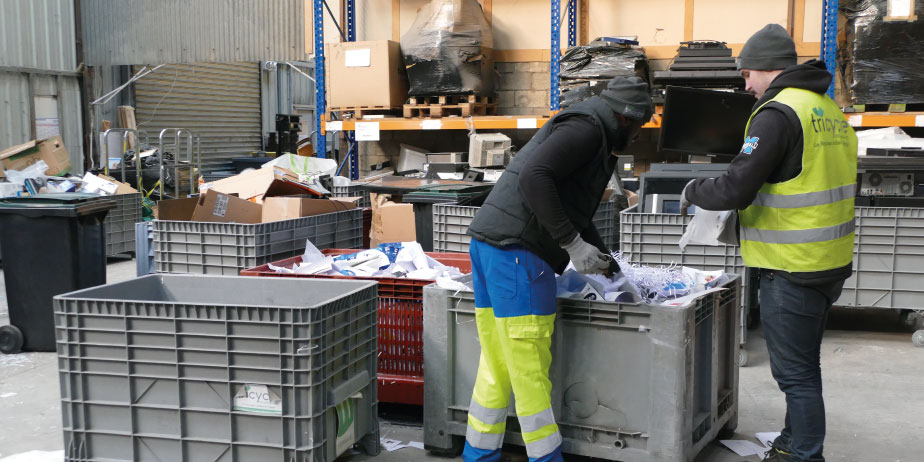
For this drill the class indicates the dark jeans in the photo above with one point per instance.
(793, 319)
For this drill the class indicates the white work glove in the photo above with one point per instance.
(586, 258)
(684, 202)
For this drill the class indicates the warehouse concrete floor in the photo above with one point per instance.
(874, 391)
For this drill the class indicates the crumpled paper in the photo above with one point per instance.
(394, 260)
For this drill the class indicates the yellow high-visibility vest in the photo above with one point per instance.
(807, 223)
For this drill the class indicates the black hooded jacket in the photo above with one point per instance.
(777, 158)
(551, 190)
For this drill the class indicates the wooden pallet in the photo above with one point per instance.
(886, 107)
(449, 100)
(359, 112)
(446, 110)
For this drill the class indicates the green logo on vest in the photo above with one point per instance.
(822, 124)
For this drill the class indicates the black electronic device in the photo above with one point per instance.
(895, 152)
(704, 122)
(473, 176)
(287, 128)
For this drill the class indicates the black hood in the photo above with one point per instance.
(605, 115)
(812, 76)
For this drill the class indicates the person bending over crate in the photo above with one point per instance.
(793, 184)
(536, 219)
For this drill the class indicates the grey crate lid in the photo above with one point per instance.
(207, 290)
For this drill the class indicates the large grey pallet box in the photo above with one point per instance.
(630, 382)
(451, 222)
(227, 248)
(154, 369)
(654, 239)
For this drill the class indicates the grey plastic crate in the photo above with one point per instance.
(120, 223)
(150, 368)
(654, 239)
(604, 220)
(451, 222)
(353, 191)
(888, 258)
(630, 382)
(144, 248)
(228, 248)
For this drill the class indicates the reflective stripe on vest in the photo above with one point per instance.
(806, 224)
(795, 201)
(800, 236)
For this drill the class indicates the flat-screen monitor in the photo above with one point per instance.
(704, 122)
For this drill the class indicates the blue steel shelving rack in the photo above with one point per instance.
(829, 39)
(350, 36)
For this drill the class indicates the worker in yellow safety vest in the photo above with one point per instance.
(793, 184)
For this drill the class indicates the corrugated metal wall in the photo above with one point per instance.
(191, 31)
(285, 91)
(38, 34)
(219, 101)
(38, 53)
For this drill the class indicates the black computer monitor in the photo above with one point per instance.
(704, 122)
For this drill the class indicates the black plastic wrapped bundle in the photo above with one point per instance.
(885, 58)
(449, 50)
(585, 70)
(602, 61)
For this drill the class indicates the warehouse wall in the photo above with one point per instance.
(521, 26)
(39, 90)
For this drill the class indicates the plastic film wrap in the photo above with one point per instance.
(449, 50)
(585, 70)
(885, 55)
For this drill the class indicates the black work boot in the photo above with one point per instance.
(778, 455)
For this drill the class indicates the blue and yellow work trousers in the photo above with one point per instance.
(515, 315)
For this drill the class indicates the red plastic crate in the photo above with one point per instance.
(400, 326)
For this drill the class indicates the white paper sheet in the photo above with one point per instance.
(527, 123)
(434, 124)
(36, 456)
(367, 131)
(744, 448)
(767, 438)
(900, 8)
(358, 58)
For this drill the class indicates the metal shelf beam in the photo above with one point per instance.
(829, 39)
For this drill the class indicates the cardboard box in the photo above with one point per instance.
(51, 150)
(122, 188)
(217, 207)
(287, 208)
(391, 222)
(247, 185)
(176, 209)
(365, 74)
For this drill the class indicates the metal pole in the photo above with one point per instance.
(572, 23)
(555, 64)
(320, 101)
(351, 20)
(353, 149)
(829, 39)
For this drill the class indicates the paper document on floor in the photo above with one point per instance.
(744, 448)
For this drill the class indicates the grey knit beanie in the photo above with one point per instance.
(769, 49)
(629, 97)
